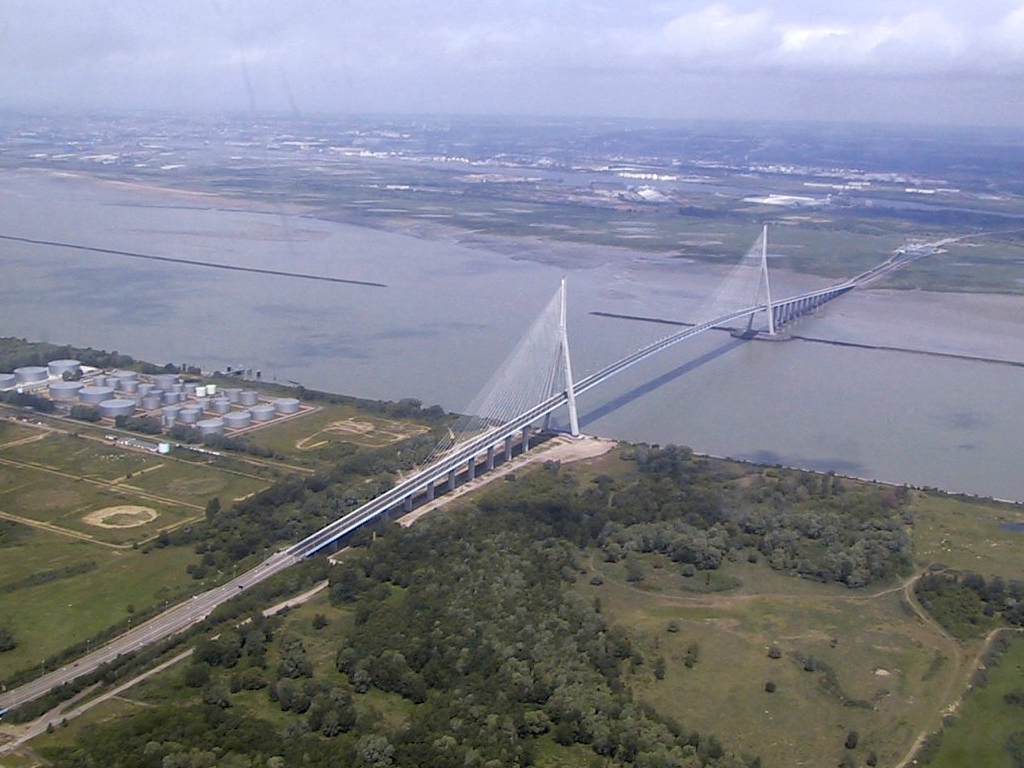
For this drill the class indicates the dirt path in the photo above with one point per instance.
(955, 704)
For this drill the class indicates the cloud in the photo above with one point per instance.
(596, 56)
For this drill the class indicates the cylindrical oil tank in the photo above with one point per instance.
(248, 397)
(262, 412)
(211, 389)
(201, 390)
(172, 398)
(237, 419)
(286, 405)
(95, 395)
(65, 390)
(208, 427)
(31, 374)
(171, 412)
(189, 415)
(189, 388)
(165, 380)
(99, 380)
(203, 402)
(133, 375)
(220, 405)
(131, 386)
(151, 402)
(145, 388)
(8, 381)
(111, 409)
(58, 368)
(232, 394)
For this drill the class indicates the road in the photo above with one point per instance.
(166, 624)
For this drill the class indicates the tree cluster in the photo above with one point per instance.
(468, 619)
(968, 604)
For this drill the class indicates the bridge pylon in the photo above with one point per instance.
(563, 347)
(762, 278)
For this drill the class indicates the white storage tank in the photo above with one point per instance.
(58, 368)
(95, 395)
(237, 419)
(111, 409)
(31, 374)
(8, 381)
(189, 415)
(210, 427)
(284, 405)
(65, 390)
(262, 412)
(163, 448)
(220, 405)
(248, 397)
(211, 389)
(200, 390)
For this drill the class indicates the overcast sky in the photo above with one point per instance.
(928, 61)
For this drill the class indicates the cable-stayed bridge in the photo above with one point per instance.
(535, 381)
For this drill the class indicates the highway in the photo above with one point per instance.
(166, 624)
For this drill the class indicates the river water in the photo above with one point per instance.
(450, 313)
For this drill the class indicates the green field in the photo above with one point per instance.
(879, 652)
(51, 616)
(965, 534)
(986, 720)
(66, 482)
(306, 439)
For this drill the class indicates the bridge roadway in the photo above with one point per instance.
(190, 612)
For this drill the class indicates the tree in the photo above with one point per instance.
(769, 687)
(852, 737)
(212, 509)
(196, 675)
(7, 641)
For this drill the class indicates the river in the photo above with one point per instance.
(450, 313)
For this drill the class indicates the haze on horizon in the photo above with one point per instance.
(889, 61)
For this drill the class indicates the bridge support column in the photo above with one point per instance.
(490, 458)
(430, 491)
(508, 448)
(570, 385)
(526, 439)
(407, 504)
(451, 480)
(471, 468)
(767, 285)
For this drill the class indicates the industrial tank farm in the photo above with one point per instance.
(202, 406)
